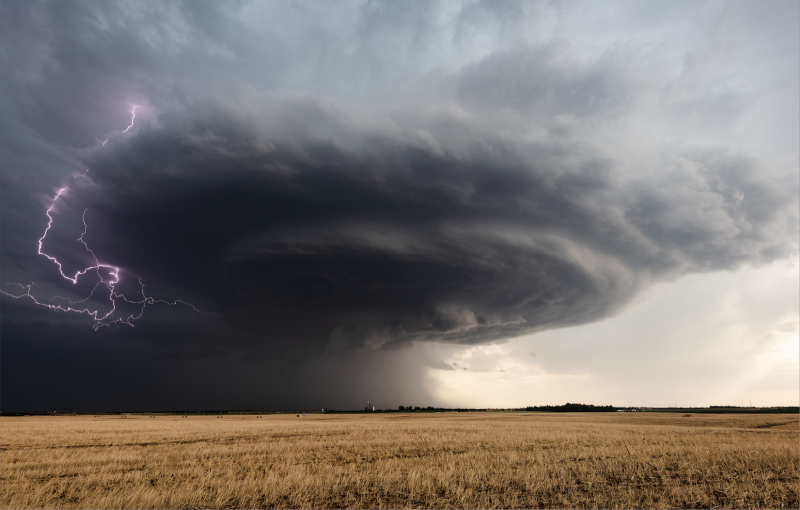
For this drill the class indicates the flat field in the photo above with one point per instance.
(461, 460)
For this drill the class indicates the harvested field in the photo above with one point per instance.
(464, 460)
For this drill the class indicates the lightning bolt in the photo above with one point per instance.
(109, 283)
(133, 117)
(104, 320)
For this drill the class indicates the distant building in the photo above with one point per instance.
(369, 407)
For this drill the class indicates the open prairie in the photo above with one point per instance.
(465, 460)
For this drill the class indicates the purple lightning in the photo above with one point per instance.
(109, 282)
(74, 279)
(133, 117)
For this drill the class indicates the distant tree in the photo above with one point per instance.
(573, 408)
(402, 408)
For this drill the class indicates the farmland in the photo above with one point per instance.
(472, 460)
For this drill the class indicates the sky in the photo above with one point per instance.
(302, 205)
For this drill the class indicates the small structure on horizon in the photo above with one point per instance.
(369, 407)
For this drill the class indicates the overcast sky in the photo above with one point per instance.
(483, 204)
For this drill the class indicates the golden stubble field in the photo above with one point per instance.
(463, 460)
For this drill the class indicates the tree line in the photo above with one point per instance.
(573, 408)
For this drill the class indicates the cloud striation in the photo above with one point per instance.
(366, 182)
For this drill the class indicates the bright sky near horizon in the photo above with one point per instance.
(458, 203)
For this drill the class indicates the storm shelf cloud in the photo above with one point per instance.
(441, 231)
(465, 176)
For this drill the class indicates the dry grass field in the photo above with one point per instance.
(464, 460)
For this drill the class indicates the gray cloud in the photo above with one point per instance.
(323, 181)
(393, 232)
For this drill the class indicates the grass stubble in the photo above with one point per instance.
(448, 460)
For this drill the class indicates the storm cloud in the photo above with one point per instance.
(365, 184)
(302, 224)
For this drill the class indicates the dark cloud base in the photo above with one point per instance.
(328, 237)
(405, 202)
(52, 366)
(289, 238)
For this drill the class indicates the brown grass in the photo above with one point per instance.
(467, 460)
